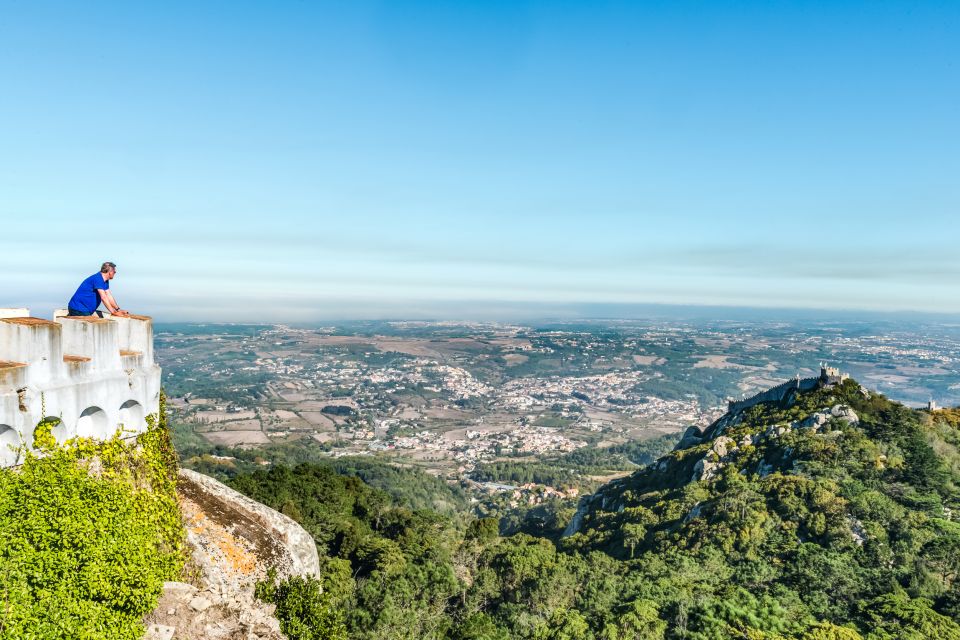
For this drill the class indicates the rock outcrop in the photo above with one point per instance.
(237, 539)
(821, 419)
(186, 612)
(234, 542)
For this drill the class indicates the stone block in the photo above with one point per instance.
(94, 338)
(34, 342)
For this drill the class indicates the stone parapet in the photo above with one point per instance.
(93, 338)
(94, 374)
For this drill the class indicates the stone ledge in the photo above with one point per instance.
(29, 321)
(92, 319)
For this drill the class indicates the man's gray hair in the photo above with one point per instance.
(106, 266)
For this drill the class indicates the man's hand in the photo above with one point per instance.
(107, 298)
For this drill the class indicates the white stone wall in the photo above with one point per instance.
(95, 374)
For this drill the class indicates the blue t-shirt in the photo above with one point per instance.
(86, 298)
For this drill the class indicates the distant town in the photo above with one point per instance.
(448, 397)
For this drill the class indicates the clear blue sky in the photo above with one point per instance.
(301, 160)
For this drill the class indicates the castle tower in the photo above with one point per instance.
(831, 375)
(95, 374)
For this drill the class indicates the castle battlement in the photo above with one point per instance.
(95, 374)
(828, 376)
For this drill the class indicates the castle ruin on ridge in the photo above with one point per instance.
(828, 376)
(94, 374)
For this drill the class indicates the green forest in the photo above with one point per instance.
(842, 530)
(569, 469)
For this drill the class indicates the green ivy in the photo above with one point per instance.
(89, 531)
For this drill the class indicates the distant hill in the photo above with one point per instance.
(835, 504)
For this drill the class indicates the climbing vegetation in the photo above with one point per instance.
(89, 531)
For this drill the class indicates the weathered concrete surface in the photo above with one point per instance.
(242, 537)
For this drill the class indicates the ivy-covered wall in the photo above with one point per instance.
(89, 531)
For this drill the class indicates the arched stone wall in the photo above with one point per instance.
(93, 423)
(80, 370)
(132, 416)
(8, 438)
(62, 431)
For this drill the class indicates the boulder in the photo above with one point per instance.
(776, 430)
(184, 611)
(722, 445)
(693, 513)
(234, 542)
(705, 470)
(229, 530)
(857, 531)
(844, 412)
(815, 421)
(691, 437)
(159, 632)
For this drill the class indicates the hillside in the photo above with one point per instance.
(830, 515)
(836, 505)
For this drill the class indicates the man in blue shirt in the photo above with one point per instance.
(93, 291)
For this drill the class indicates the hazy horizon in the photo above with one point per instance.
(532, 313)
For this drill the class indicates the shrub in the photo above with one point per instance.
(88, 534)
(303, 609)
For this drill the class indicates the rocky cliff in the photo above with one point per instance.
(234, 542)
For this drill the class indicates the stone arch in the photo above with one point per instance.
(132, 417)
(60, 431)
(8, 438)
(93, 423)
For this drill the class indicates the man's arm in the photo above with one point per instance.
(110, 303)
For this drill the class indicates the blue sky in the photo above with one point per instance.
(309, 160)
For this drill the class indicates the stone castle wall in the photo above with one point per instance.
(776, 394)
(95, 374)
(828, 375)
